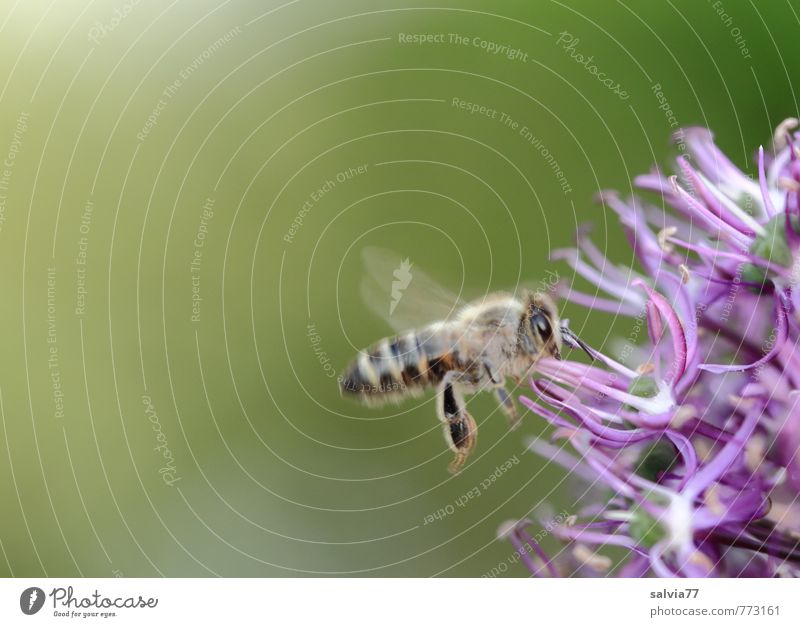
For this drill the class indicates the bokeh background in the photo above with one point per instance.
(170, 340)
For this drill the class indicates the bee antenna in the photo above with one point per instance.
(575, 342)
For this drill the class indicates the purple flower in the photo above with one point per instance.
(688, 444)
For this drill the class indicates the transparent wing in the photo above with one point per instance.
(401, 293)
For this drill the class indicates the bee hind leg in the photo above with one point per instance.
(460, 429)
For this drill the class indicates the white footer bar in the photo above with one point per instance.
(389, 602)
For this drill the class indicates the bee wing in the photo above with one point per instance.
(401, 293)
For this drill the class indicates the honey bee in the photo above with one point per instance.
(487, 341)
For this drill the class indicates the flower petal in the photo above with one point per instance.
(679, 346)
(781, 334)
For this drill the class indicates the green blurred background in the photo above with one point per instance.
(157, 153)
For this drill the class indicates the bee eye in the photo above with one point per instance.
(540, 322)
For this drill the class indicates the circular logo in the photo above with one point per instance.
(31, 600)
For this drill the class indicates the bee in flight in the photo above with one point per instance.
(474, 347)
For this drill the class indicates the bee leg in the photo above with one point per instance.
(502, 395)
(460, 429)
(494, 376)
(507, 405)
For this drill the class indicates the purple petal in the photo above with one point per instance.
(573, 258)
(781, 334)
(712, 202)
(762, 180)
(717, 226)
(715, 164)
(519, 537)
(685, 448)
(590, 301)
(723, 460)
(680, 351)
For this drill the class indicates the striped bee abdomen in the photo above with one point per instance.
(399, 365)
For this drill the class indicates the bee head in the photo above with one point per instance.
(540, 322)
